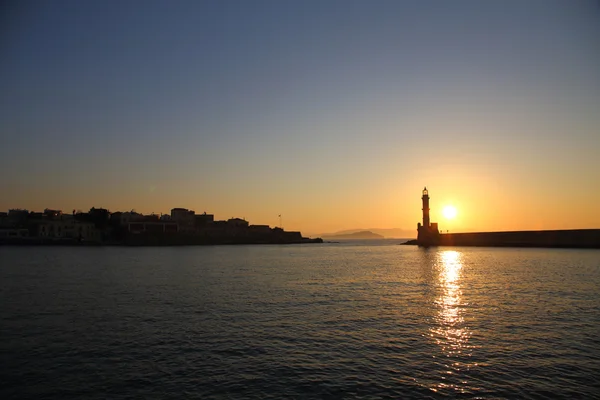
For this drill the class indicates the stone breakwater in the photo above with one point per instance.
(575, 238)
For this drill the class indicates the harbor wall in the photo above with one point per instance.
(576, 238)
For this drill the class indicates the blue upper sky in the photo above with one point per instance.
(254, 107)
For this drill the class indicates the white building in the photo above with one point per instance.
(68, 229)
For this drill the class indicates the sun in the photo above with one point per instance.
(450, 212)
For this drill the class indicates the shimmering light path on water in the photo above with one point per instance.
(348, 320)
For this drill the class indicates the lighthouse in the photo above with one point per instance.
(425, 199)
(427, 234)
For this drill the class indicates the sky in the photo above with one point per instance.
(334, 114)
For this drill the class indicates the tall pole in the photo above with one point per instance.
(280, 224)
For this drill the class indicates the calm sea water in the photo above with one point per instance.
(347, 320)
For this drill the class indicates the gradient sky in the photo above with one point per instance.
(334, 114)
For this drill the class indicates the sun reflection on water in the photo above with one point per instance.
(449, 301)
(449, 330)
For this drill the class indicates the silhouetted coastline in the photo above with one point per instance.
(182, 227)
(355, 235)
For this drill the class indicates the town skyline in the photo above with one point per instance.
(333, 114)
(99, 226)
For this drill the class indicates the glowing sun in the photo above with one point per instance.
(450, 212)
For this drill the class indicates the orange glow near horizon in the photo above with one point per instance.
(383, 207)
(319, 205)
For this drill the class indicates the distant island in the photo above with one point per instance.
(354, 235)
(388, 233)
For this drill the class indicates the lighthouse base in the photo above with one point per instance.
(428, 235)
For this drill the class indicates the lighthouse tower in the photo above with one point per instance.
(428, 233)
(425, 199)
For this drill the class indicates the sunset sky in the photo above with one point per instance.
(334, 114)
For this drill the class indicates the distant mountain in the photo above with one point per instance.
(354, 235)
(391, 233)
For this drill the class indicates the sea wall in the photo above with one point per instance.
(577, 238)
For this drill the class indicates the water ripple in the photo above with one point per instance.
(330, 321)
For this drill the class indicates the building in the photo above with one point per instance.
(156, 227)
(182, 214)
(115, 218)
(204, 219)
(237, 223)
(68, 229)
(17, 217)
(260, 229)
(17, 213)
(151, 218)
(52, 214)
(4, 222)
(13, 233)
(428, 234)
(184, 218)
(125, 218)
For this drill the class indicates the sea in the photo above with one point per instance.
(348, 320)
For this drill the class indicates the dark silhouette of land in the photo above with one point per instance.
(355, 235)
(99, 226)
(391, 233)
